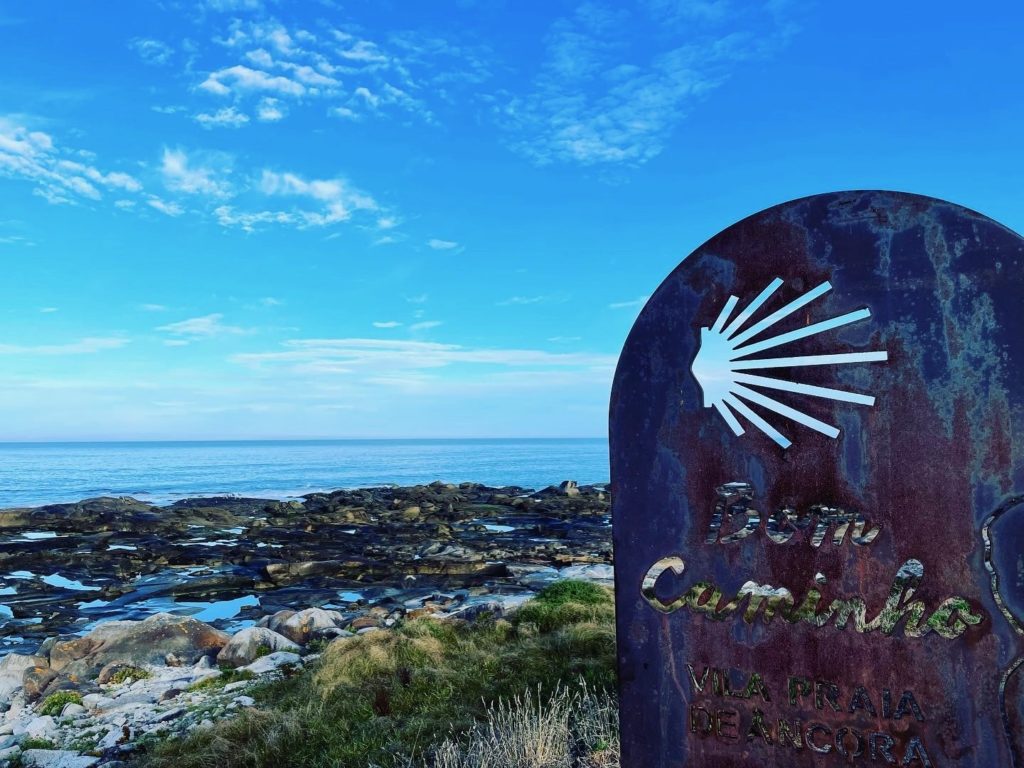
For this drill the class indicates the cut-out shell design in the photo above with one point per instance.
(723, 363)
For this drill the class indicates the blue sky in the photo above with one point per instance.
(257, 219)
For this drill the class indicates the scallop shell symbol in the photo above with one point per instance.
(722, 365)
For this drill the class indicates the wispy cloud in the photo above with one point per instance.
(182, 174)
(442, 245)
(48, 310)
(632, 304)
(378, 356)
(386, 324)
(616, 80)
(207, 326)
(521, 300)
(86, 346)
(56, 173)
(151, 51)
(226, 117)
(153, 307)
(425, 325)
(164, 206)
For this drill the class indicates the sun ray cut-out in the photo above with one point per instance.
(726, 373)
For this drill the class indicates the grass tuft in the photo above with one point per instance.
(54, 703)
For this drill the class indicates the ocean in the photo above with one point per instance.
(160, 472)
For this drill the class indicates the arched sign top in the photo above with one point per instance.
(817, 446)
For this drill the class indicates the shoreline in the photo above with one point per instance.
(67, 568)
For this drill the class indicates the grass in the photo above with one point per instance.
(226, 676)
(54, 703)
(128, 674)
(395, 698)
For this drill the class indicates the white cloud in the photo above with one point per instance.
(181, 175)
(387, 324)
(151, 51)
(521, 300)
(270, 110)
(226, 117)
(242, 79)
(206, 326)
(336, 199)
(48, 310)
(86, 346)
(153, 307)
(425, 325)
(270, 301)
(632, 304)
(610, 93)
(164, 206)
(442, 245)
(418, 299)
(33, 156)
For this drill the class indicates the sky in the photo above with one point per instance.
(231, 219)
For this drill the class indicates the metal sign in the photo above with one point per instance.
(817, 446)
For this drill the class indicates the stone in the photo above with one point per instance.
(817, 455)
(71, 709)
(135, 642)
(249, 644)
(12, 671)
(272, 662)
(57, 758)
(42, 727)
(300, 627)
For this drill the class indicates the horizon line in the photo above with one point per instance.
(290, 439)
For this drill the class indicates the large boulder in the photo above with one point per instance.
(136, 643)
(303, 626)
(252, 643)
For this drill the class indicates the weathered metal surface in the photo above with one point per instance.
(848, 599)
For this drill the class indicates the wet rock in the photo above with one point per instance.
(252, 643)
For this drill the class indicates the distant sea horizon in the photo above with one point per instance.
(34, 473)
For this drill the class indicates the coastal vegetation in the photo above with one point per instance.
(532, 689)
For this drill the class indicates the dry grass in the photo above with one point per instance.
(571, 729)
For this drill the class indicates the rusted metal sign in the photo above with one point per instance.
(817, 445)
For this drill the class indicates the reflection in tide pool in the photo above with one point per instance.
(221, 609)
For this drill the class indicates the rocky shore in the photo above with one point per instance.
(122, 621)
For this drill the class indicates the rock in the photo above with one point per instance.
(12, 671)
(71, 709)
(249, 644)
(170, 693)
(56, 758)
(8, 754)
(272, 662)
(170, 714)
(136, 643)
(107, 673)
(363, 622)
(302, 626)
(37, 681)
(42, 727)
(244, 701)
